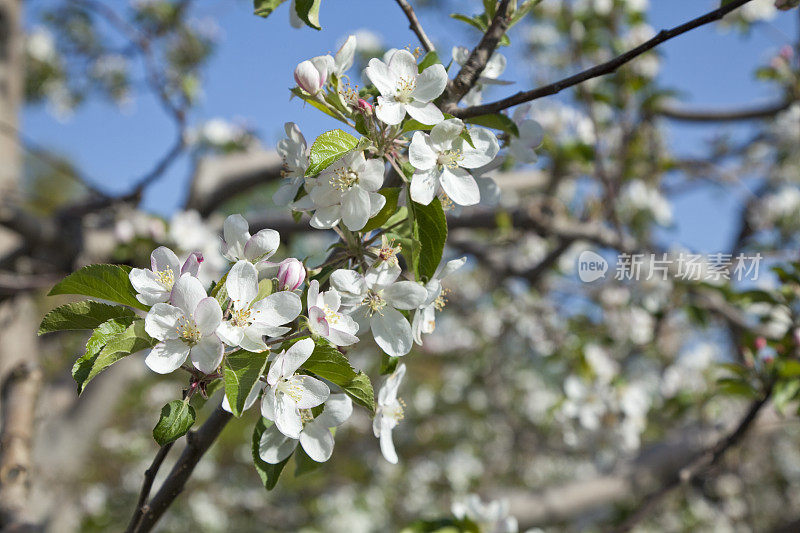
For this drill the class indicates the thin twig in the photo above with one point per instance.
(479, 57)
(722, 115)
(147, 485)
(599, 70)
(415, 26)
(703, 461)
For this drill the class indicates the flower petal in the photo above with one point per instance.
(287, 416)
(355, 208)
(207, 354)
(163, 258)
(388, 392)
(381, 77)
(445, 133)
(405, 295)
(207, 315)
(317, 441)
(230, 334)
(460, 186)
(371, 177)
(390, 111)
(162, 321)
(486, 148)
(387, 445)
(317, 322)
(166, 357)
(382, 275)
(242, 284)
(348, 281)
(312, 298)
(426, 113)
(391, 331)
(187, 293)
(403, 65)
(421, 154)
(235, 232)
(311, 392)
(274, 446)
(287, 363)
(424, 185)
(337, 410)
(262, 245)
(344, 57)
(430, 83)
(268, 403)
(252, 340)
(277, 309)
(326, 217)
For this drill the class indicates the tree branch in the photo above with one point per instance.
(722, 115)
(415, 26)
(706, 459)
(476, 62)
(147, 485)
(197, 444)
(599, 70)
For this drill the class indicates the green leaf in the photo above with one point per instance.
(430, 229)
(303, 464)
(329, 363)
(430, 59)
(496, 121)
(264, 289)
(329, 148)
(315, 103)
(785, 392)
(388, 363)
(264, 8)
(107, 282)
(480, 23)
(390, 207)
(269, 473)
(81, 315)
(116, 343)
(308, 11)
(176, 419)
(241, 372)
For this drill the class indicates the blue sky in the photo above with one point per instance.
(249, 77)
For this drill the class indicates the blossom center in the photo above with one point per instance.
(331, 316)
(241, 318)
(306, 416)
(374, 301)
(449, 158)
(188, 331)
(291, 387)
(447, 203)
(405, 86)
(388, 251)
(394, 411)
(344, 179)
(441, 301)
(166, 278)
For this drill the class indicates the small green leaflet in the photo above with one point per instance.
(269, 473)
(303, 464)
(176, 419)
(329, 148)
(241, 372)
(480, 22)
(496, 121)
(264, 8)
(431, 58)
(107, 282)
(308, 11)
(430, 229)
(329, 363)
(391, 194)
(82, 315)
(116, 343)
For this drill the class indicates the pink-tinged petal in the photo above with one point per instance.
(405, 295)
(262, 245)
(355, 208)
(208, 315)
(426, 113)
(424, 185)
(317, 322)
(404, 65)
(317, 441)
(381, 77)
(421, 154)
(163, 258)
(392, 332)
(308, 77)
(430, 83)
(277, 309)
(167, 356)
(192, 264)
(207, 354)
(235, 231)
(460, 186)
(312, 298)
(187, 293)
(274, 446)
(390, 111)
(242, 284)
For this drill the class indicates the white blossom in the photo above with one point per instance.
(389, 413)
(405, 90)
(238, 244)
(424, 320)
(185, 328)
(288, 392)
(493, 70)
(155, 284)
(294, 151)
(325, 318)
(522, 147)
(250, 320)
(440, 160)
(315, 437)
(376, 297)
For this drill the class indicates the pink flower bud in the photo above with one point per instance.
(291, 274)
(761, 343)
(365, 107)
(787, 52)
(192, 264)
(310, 77)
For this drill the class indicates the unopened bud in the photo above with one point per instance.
(365, 107)
(309, 77)
(291, 274)
(192, 264)
(760, 343)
